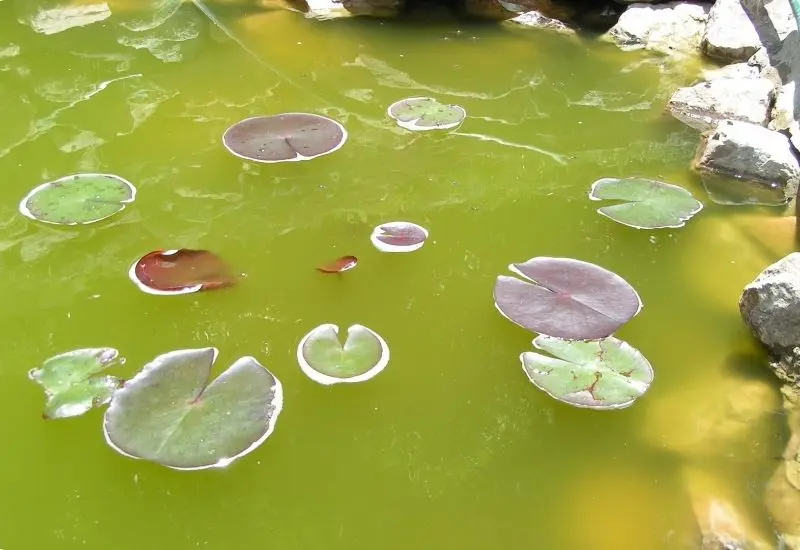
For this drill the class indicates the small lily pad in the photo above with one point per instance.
(324, 359)
(398, 237)
(425, 113)
(345, 263)
(170, 414)
(603, 374)
(171, 272)
(72, 381)
(566, 298)
(78, 199)
(649, 204)
(288, 137)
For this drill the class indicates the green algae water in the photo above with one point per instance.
(450, 446)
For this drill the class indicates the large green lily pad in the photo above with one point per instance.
(425, 113)
(601, 374)
(324, 359)
(649, 204)
(72, 381)
(170, 414)
(78, 199)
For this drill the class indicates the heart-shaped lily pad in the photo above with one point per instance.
(398, 237)
(324, 359)
(287, 137)
(603, 374)
(170, 272)
(170, 414)
(72, 381)
(78, 199)
(425, 113)
(566, 298)
(649, 204)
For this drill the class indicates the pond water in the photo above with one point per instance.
(449, 447)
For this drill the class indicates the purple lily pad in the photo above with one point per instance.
(399, 237)
(288, 137)
(566, 298)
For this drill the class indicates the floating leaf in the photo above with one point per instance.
(425, 113)
(78, 199)
(603, 374)
(649, 204)
(337, 266)
(169, 272)
(59, 19)
(72, 383)
(566, 298)
(170, 414)
(284, 138)
(398, 237)
(324, 359)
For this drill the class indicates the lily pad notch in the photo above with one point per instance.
(288, 137)
(649, 204)
(566, 298)
(78, 199)
(606, 374)
(425, 113)
(324, 359)
(169, 413)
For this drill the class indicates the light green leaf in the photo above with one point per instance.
(425, 113)
(324, 359)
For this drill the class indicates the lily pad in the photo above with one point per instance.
(603, 374)
(287, 137)
(398, 237)
(566, 298)
(78, 199)
(72, 381)
(170, 414)
(425, 113)
(649, 204)
(171, 272)
(339, 265)
(324, 359)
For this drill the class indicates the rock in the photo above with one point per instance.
(731, 35)
(508, 9)
(770, 306)
(540, 21)
(735, 70)
(704, 105)
(673, 27)
(744, 163)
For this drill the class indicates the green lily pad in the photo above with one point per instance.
(324, 359)
(601, 374)
(72, 383)
(425, 113)
(78, 199)
(649, 204)
(170, 414)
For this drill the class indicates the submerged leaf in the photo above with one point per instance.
(72, 383)
(78, 199)
(168, 272)
(324, 359)
(338, 266)
(398, 237)
(603, 374)
(170, 414)
(566, 298)
(62, 18)
(649, 204)
(425, 113)
(284, 138)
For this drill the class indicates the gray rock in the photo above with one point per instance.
(540, 21)
(704, 105)
(757, 165)
(736, 70)
(673, 27)
(770, 306)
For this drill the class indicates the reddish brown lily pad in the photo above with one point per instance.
(183, 271)
(339, 265)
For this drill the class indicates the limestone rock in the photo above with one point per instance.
(744, 163)
(731, 35)
(735, 70)
(704, 105)
(538, 20)
(673, 27)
